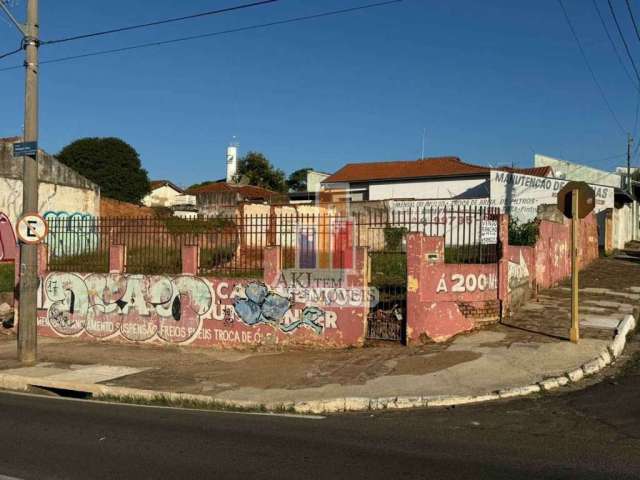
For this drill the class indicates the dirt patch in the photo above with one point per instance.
(421, 365)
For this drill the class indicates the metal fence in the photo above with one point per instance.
(234, 245)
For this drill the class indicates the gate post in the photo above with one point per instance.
(117, 258)
(272, 264)
(503, 264)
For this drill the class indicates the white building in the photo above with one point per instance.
(162, 194)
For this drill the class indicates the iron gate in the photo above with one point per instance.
(387, 319)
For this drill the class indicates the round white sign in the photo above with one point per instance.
(32, 228)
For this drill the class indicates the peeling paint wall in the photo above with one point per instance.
(446, 299)
(204, 311)
(61, 188)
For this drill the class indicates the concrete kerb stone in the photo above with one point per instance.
(519, 391)
(452, 400)
(576, 375)
(606, 357)
(553, 383)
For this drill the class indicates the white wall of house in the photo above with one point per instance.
(313, 180)
(161, 197)
(520, 195)
(622, 226)
(575, 171)
(426, 188)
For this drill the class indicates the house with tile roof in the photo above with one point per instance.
(162, 194)
(221, 196)
(426, 178)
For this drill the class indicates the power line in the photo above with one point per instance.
(624, 42)
(613, 45)
(12, 52)
(593, 75)
(212, 34)
(633, 20)
(158, 22)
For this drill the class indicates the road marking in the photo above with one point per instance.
(124, 404)
(4, 477)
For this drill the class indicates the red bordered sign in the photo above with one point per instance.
(32, 228)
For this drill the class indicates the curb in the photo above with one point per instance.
(346, 404)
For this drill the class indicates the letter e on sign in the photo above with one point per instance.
(32, 228)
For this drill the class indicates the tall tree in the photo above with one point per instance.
(257, 170)
(111, 163)
(297, 181)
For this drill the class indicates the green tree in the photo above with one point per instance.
(111, 163)
(297, 181)
(257, 170)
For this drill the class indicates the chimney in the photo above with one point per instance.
(232, 162)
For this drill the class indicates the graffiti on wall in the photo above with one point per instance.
(170, 309)
(72, 233)
(518, 274)
(263, 306)
(8, 245)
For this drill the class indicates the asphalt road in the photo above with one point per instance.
(591, 433)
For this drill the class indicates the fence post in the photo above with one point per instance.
(190, 259)
(117, 258)
(272, 264)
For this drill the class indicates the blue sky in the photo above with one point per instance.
(491, 81)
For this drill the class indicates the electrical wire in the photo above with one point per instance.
(12, 52)
(624, 41)
(633, 20)
(212, 34)
(593, 75)
(157, 22)
(613, 45)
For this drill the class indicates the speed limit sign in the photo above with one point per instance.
(32, 228)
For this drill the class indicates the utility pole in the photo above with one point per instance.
(629, 142)
(27, 322)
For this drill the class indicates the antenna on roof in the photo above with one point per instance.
(424, 134)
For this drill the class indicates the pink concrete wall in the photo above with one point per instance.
(553, 250)
(205, 311)
(446, 299)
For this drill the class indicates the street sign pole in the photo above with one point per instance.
(575, 313)
(576, 200)
(27, 323)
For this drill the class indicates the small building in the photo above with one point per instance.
(162, 194)
(225, 197)
(314, 186)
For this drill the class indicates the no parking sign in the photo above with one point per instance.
(32, 228)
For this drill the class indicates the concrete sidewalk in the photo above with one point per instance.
(506, 358)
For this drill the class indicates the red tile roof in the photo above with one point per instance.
(426, 167)
(246, 191)
(421, 168)
(161, 183)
